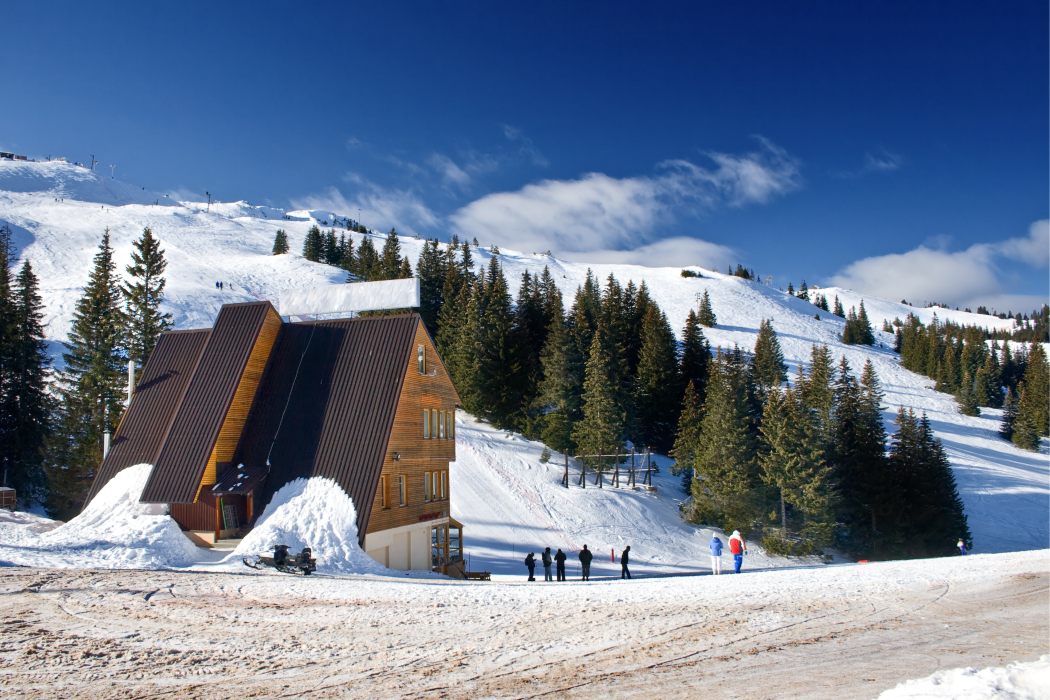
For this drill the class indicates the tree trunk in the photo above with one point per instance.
(783, 517)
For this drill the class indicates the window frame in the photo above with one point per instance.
(421, 359)
(444, 486)
(402, 488)
(428, 485)
(426, 423)
(441, 425)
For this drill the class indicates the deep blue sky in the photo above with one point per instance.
(889, 125)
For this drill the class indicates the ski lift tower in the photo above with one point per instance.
(111, 171)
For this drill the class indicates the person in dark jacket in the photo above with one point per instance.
(624, 571)
(530, 561)
(716, 555)
(560, 559)
(585, 563)
(547, 565)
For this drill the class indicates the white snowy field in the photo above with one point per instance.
(1006, 490)
(851, 631)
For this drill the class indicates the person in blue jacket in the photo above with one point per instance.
(716, 555)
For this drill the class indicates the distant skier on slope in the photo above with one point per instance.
(560, 558)
(530, 562)
(547, 565)
(738, 549)
(962, 547)
(624, 560)
(585, 563)
(716, 555)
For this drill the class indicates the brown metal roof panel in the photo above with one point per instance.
(160, 388)
(196, 426)
(328, 402)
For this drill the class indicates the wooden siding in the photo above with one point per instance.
(418, 455)
(237, 415)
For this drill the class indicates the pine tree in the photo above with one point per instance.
(803, 291)
(1006, 426)
(839, 311)
(791, 290)
(725, 466)
(330, 250)
(696, 357)
(866, 335)
(346, 253)
(531, 333)
(367, 267)
(497, 365)
(1033, 403)
(601, 429)
(27, 400)
(874, 490)
(687, 437)
(793, 464)
(658, 386)
(390, 260)
(816, 389)
(967, 398)
(822, 303)
(939, 513)
(143, 295)
(313, 245)
(706, 316)
(560, 390)
(431, 269)
(280, 242)
(767, 363)
(8, 351)
(90, 389)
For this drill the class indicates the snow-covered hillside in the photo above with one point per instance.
(58, 212)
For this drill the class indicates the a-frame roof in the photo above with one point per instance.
(180, 465)
(326, 404)
(145, 424)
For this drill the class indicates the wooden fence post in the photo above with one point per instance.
(565, 479)
(598, 472)
(583, 471)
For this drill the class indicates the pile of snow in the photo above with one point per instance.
(313, 513)
(1018, 681)
(115, 531)
(15, 525)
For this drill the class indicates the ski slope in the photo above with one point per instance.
(504, 495)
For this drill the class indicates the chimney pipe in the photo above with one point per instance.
(131, 380)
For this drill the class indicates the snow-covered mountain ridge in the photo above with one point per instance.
(58, 211)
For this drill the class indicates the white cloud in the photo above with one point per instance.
(969, 277)
(597, 215)
(882, 162)
(380, 207)
(680, 251)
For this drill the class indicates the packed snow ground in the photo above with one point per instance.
(850, 631)
(1006, 490)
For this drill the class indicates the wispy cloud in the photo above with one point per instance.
(881, 161)
(380, 207)
(525, 146)
(968, 277)
(597, 215)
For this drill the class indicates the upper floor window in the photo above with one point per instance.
(427, 486)
(421, 359)
(426, 422)
(402, 493)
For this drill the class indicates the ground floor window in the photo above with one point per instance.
(438, 545)
(455, 543)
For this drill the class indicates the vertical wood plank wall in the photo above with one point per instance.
(418, 455)
(233, 424)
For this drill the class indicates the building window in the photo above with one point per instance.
(427, 486)
(426, 423)
(441, 424)
(450, 425)
(455, 544)
(444, 485)
(433, 423)
(384, 491)
(402, 495)
(421, 359)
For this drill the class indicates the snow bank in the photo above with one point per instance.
(1018, 681)
(114, 532)
(313, 513)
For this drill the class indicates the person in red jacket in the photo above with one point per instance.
(737, 548)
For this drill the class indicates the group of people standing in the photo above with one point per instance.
(220, 285)
(585, 556)
(737, 547)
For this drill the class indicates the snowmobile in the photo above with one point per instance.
(301, 564)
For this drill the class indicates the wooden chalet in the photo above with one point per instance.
(229, 415)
